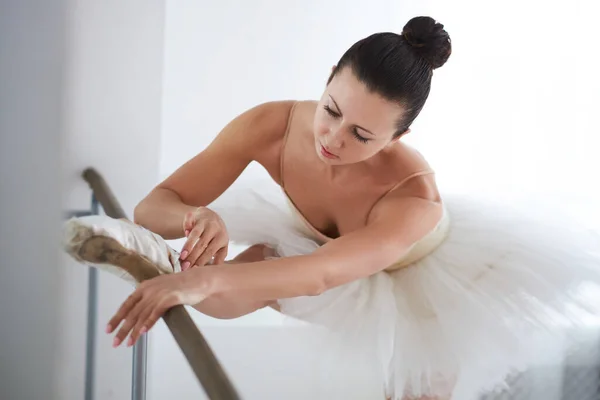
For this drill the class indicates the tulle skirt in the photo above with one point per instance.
(461, 320)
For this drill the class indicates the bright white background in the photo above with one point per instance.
(150, 83)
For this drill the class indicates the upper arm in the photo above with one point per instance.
(395, 224)
(205, 177)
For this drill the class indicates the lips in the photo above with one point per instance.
(327, 153)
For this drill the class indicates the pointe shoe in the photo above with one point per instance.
(119, 247)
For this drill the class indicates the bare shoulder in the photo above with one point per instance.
(411, 209)
(260, 127)
(253, 135)
(272, 118)
(414, 199)
(413, 174)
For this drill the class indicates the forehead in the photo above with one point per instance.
(362, 107)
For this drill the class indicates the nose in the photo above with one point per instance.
(335, 139)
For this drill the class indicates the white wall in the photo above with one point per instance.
(113, 124)
(32, 61)
(222, 59)
(518, 97)
(514, 110)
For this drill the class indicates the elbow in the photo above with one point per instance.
(139, 212)
(323, 280)
(329, 272)
(318, 287)
(322, 289)
(143, 211)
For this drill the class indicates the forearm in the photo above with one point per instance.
(162, 212)
(233, 305)
(229, 307)
(339, 262)
(270, 280)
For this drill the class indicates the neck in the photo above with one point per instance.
(351, 173)
(340, 174)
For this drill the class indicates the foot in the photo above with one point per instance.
(119, 247)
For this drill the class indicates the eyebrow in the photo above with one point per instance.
(340, 111)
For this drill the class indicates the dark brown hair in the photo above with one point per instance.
(400, 67)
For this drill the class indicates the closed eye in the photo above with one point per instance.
(355, 133)
(331, 112)
(358, 137)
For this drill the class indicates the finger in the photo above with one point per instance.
(190, 243)
(159, 309)
(212, 248)
(124, 310)
(192, 238)
(129, 323)
(202, 244)
(221, 255)
(189, 220)
(139, 329)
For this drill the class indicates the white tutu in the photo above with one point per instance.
(460, 320)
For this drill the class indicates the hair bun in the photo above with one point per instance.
(429, 40)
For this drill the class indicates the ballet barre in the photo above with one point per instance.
(194, 346)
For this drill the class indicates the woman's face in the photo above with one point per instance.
(352, 124)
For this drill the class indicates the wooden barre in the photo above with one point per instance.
(194, 346)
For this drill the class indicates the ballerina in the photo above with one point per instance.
(446, 293)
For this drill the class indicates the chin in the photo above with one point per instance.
(329, 161)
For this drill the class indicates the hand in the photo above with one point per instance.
(154, 297)
(207, 238)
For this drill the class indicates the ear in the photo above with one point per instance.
(333, 68)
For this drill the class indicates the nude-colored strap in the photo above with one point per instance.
(285, 139)
(399, 184)
(411, 176)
